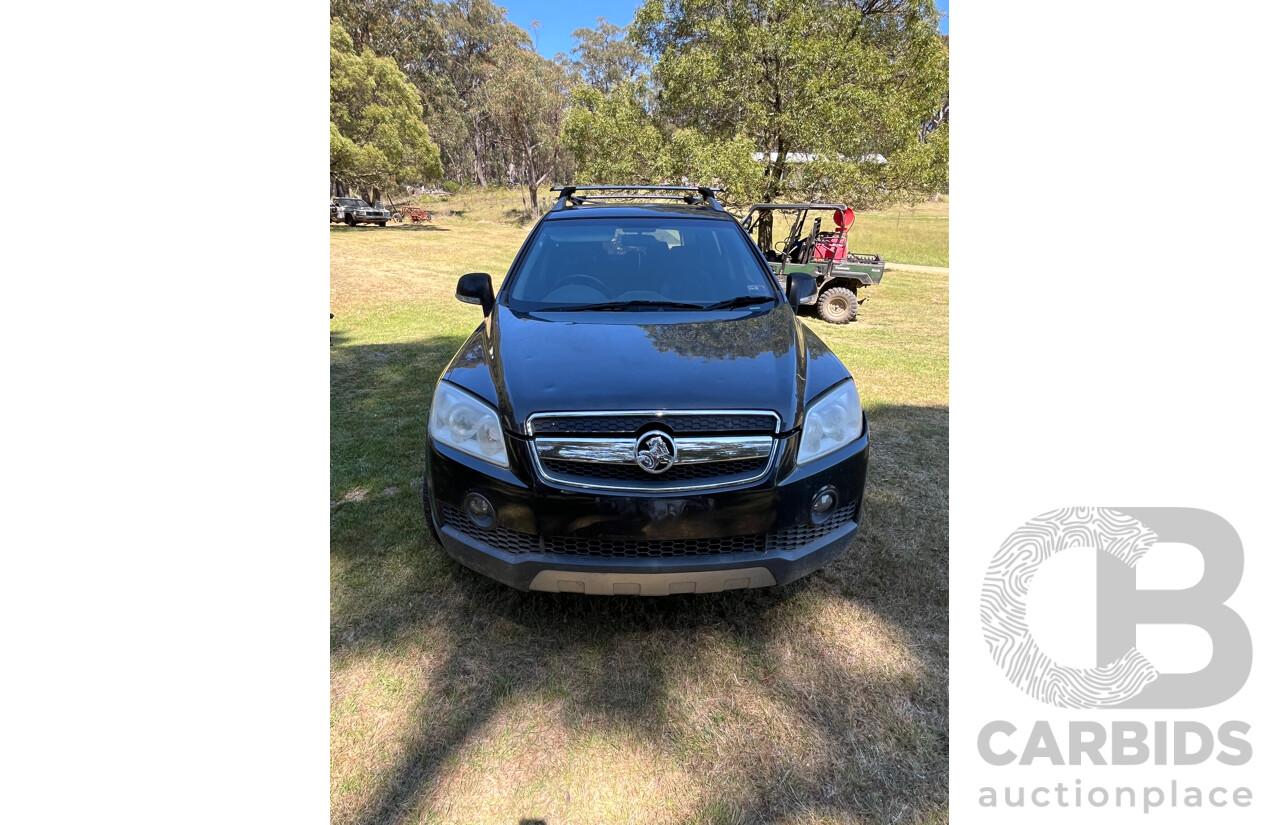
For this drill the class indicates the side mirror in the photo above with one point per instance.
(476, 288)
(801, 287)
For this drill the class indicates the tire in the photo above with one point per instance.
(838, 305)
(382, 223)
(349, 220)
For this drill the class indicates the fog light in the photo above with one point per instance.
(824, 504)
(479, 510)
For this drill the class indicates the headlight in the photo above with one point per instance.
(832, 421)
(466, 423)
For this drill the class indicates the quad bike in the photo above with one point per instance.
(825, 256)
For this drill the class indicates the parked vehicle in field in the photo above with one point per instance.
(352, 211)
(838, 272)
(640, 410)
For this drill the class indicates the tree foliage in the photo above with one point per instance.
(612, 137)
(844, 84)
(376, 133)
(606, 58)
(615, 135)
(452, 52)
(772, 99)
(524, 96)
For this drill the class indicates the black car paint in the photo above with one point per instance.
(530, 363)
(758, 357)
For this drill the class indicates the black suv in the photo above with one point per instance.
(641, 412)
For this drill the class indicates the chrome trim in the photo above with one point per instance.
(691, 450)
(656, 452)
(723, 448)
(657, 485)
(659, 414)
(593, 450)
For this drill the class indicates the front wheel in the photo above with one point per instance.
(838, 305)
(349, 220)
(382, 223)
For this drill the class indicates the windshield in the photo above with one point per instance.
(350, 202)
(681, 263)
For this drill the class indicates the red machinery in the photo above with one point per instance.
(831, 246)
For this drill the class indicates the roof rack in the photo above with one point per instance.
(701, 195)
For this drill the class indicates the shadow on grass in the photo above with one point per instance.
(397, 227)
(827, 696)
(416, 227)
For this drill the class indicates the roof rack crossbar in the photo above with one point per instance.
(623, 187)
(569, 195)
(633, 197)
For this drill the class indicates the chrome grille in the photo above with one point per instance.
(705, 449)
(727, 472)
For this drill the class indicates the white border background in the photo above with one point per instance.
(166, 383)
(1113, 325)
(165, 591)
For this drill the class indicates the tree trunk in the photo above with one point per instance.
(478, 145)
(532, 178)
(764, 231)
(773, 176)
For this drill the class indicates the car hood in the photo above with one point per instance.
(526, 363)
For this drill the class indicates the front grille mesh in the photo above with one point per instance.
(802, 534)
(725, 471)
(655, 548)
(512, 541)
(500, 538)
(634, 424)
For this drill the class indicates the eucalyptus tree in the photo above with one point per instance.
(606, 58)
(376, 134)
(831, 94)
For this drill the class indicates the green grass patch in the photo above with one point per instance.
(905, 235)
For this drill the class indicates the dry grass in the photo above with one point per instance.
(457, 700)
(907, 235)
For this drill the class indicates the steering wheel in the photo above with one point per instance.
(594, 283)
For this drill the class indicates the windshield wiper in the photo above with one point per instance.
(618, 305)
(740, 301)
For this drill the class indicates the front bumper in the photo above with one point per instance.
(548, 537)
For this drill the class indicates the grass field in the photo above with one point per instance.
(906, 235)
(455, 699)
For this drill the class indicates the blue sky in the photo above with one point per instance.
(560, 19)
